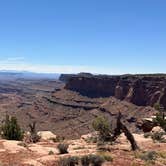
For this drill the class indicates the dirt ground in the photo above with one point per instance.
(45, 153)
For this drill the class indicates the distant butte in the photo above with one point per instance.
(141, 90)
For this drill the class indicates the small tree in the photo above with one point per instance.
(63, 148)
(160, 117)
(11, 129)
(101, 125)
(34, 136)
(120, 127)
(160, 120)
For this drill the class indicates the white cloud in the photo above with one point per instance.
(10, 60)
(19, 64)
(50, 68)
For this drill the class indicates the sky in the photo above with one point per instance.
(71, 36)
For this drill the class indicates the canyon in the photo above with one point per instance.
(141, 90)
(68, 106)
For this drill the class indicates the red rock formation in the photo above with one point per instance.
(141, 90)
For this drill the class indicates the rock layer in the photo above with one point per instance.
(142, 90)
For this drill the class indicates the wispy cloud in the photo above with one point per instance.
(12, 60)
(19, 64)
(18, 58)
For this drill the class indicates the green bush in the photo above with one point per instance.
(63, 148)
(101, 125)
(149, 156)
(70, 161)
(92, 139)
(156, 106)
(50, 152)
(147, 135)
(107, 158)
(94, 160)
(22, 144)
(104, 146)
(11, 130)
(158, 136)
(160, 120)
(106, 155)
(85, 160)
(57, 139)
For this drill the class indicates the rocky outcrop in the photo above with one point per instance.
(66, 77)
(142, 90)
(46, 135)
(147, 125)
(93, 86)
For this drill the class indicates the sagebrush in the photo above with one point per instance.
(11, 130)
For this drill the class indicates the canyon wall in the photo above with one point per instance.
(142, 90)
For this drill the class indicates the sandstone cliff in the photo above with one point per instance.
(142, 90)
(66, 77)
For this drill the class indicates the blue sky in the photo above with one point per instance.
(68, 36)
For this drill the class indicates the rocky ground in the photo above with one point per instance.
(45, 153)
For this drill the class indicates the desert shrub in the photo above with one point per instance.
(96, 160)
(50, 152)
(70, 161)
(156, 106)
(101, 125)
(85, 160)
(79, 147)
(63, 148)
(158, 136)
(162, 154)
(147, 135)
(57, 139)
(160, 120)
(34, 136)
(11, 130)
(92, 139)
(149, 156)
(136, 164)
(106, 156)
(101, 144)
(104, 146)
(22, 144)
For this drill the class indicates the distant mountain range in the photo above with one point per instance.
(12, 74)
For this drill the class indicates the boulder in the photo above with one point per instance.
(89, 136)
(27, 138)
(157, 129)
(147, 126)
(46, 135)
